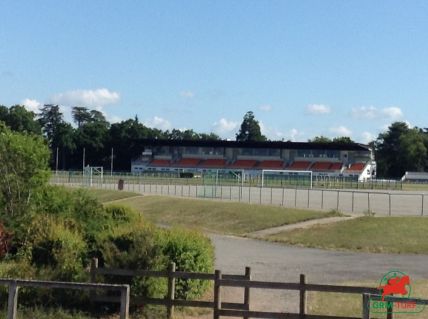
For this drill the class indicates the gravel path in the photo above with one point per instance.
(306, 224)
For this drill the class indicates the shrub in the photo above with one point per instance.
(190, 251)
(144, 247)
(121, 215)
(134, 248)
(5, 240)
(57, 249)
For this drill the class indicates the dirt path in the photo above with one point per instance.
(306, 224)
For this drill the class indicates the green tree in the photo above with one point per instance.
(50, 118)
(320, 139)
(413, 151)
(23, 170)
(389, 151)
(250, 130)
(343, 140)
(19, 119)
(81, 115)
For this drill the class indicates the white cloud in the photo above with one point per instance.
(159, 123)
(294, 134)
(265, 107)
(225, 127)
(367, 137)
(114, 119)
(367, 112)
(272, 133)
(371, 112)
(31, 105)
(392, 112)
(341, 130)
(318, 109)
(187, 94)
(88, 98)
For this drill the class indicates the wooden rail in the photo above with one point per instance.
(171, 274)
(225, 309)
(14, 284)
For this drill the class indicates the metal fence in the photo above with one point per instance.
(390, 203)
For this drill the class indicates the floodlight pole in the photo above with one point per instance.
(56, 162)
(111, 163)
(83, 160)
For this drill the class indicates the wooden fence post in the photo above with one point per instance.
(124, 303)
(366, 306)
(171, 290)
(390, 312)
(12, 303)
(247, 290)
(217, 294)
(302, 304)
(93, 277)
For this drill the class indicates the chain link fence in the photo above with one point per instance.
(378, 202)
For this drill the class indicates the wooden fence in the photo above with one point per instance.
(225, 309)
(14, 284)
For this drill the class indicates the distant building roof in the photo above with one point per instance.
(276, 144)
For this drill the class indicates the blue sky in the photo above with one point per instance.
(305, 68)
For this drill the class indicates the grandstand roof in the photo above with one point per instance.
(276, 144)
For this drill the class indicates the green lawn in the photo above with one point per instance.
(415, 187)
(217, 216)
(105, 196)
(350, 305)
(369, 234)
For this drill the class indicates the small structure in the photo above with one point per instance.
(415, 177)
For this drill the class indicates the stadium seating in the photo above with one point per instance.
(244, 164)
(326, 166)
(321, 166)
(336, 166)
(356, 167)
(214, 163)
(271, 165)
(299, 166)
(160, 162)
(188, 162)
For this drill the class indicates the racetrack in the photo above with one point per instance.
(393, 203)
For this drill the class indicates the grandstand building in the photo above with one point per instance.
(323, 159)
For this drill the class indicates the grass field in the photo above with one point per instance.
(350, 305)
(368, 234)
(105, 196)
(415, 187)
(216, 216)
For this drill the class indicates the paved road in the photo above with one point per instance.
(278, 262)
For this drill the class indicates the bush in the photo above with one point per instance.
(121, 215)
(67, 228)
(190, 251)
(57, 249)
(134, 248)
(5, 241)
(144, 247)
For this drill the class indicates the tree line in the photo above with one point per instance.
(397, 150)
